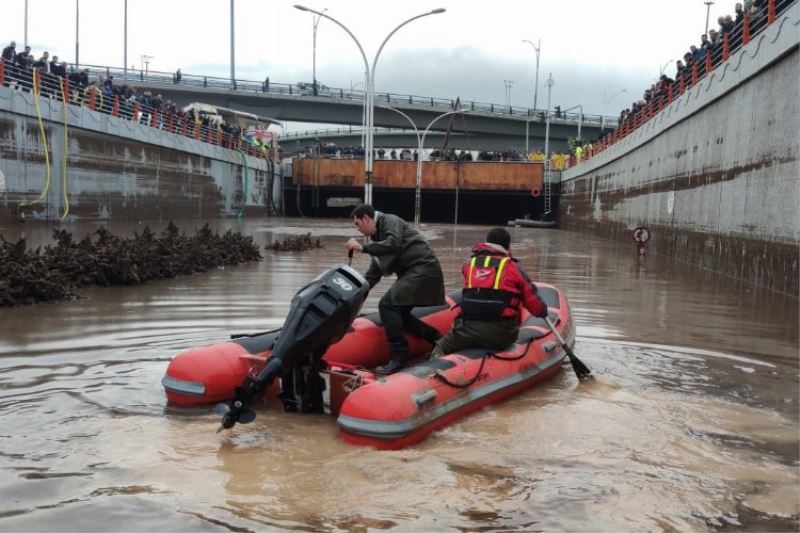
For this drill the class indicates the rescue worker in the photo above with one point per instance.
(495, 289)
(396, 248)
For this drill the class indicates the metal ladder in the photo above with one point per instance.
(548, 188)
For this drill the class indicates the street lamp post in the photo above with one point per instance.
(418, 190)
(579, 107)
(708, 4)
(25, 44)
(549, 84)
(607, 101)
(369, 74)
(509, 84)
(125, 39)
(146, 59)
(420, 147)
(77, 30)
(314, 52)
(537, 48)
(233, 49)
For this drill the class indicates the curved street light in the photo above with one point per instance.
(420, 147)
(369, 74)
(418, 192)
(537, 48)
(314, 52)
(607, 101)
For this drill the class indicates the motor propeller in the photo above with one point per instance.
(320, 315)
(235, 411)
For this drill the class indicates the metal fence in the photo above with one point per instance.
(306, 90)
(95, 97)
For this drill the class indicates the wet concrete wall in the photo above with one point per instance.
(715, 175)
(100, 167)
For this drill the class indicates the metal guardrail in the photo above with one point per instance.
(326, 132)
(95, 98)
(303, 89)
(697, 68)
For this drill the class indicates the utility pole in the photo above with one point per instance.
(508, 84)
(146, 62)
(708, 4)
(537, 47)
(77, 28)
(315, 20)
(233, 50)
(549, 84)
(125, 39)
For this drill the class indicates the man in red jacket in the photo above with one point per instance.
(495, 289)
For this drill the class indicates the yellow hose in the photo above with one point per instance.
(36, 90)
(66, 147)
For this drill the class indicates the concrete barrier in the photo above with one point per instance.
(110, 167)
(715, 175)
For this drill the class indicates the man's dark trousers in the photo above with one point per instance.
(397, 319)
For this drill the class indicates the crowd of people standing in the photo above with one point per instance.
(714, 48)
(52, 78)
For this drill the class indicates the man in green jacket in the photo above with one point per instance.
(396, 248)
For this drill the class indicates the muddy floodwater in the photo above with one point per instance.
(692, 424)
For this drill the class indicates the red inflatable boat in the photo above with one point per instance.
(319, 361)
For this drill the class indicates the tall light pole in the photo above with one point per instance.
(538, 48)
(125, 40)
(315, 20)
(233, 49)
(25, 44)
(369, 74)
(420, 147)
(77, 30)
(146, 59)
(418, 187)
(708, 4)
(579, 107)
(607, 101)
(509, 84)
(549, 84)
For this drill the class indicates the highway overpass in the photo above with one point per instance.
(300, 141)
(484, 126)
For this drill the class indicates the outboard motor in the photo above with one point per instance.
(320, 315)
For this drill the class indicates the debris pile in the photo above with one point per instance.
(296, 244)
(53, 274)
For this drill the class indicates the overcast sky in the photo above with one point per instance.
(594, 48)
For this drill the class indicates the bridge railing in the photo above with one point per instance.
(303, 89)
(342, 130)
(696, 69)
(68, 90)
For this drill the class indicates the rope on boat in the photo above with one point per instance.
(441, 377)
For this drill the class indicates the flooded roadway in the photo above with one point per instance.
(692, 424)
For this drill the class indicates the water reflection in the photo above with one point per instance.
(692, 424)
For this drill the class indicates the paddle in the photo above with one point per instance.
(581, 370)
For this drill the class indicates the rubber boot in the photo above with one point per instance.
(390, 368)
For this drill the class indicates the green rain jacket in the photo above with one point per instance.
(396, 248)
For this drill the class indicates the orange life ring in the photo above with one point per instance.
(536, 193)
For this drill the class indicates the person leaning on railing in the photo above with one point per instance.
(715, 48)
(107, 97)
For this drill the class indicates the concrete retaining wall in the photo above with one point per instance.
(714, 176)
(111, 167)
